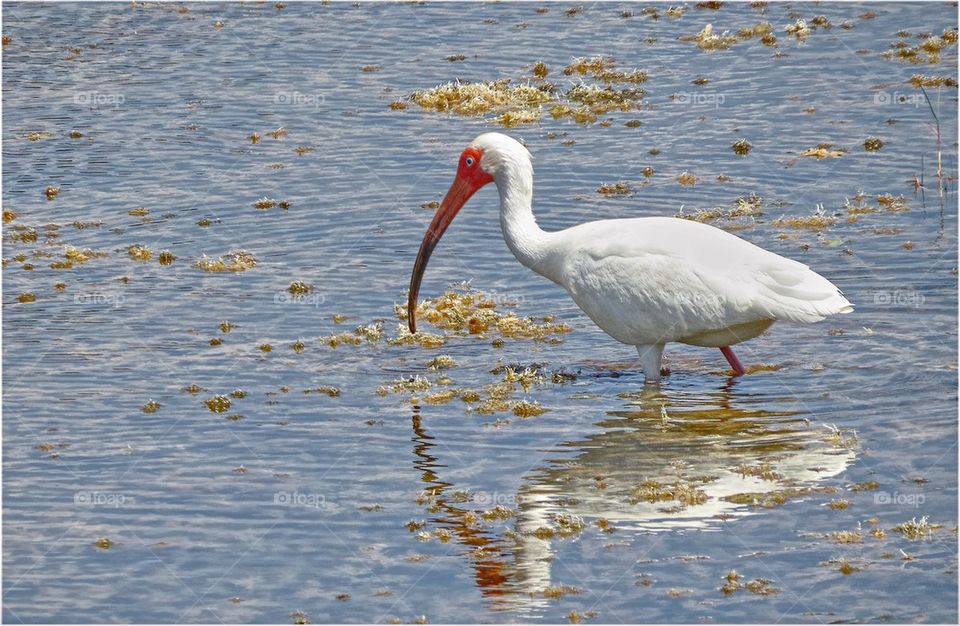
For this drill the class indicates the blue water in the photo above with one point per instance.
(304, 503)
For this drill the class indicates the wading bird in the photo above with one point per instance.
(644, 281)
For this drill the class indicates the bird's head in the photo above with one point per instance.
(479, 164)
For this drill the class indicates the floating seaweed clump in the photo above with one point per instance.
(76, 256)
(620, 188)
(525, 408)
(443, 361)
(139, 253)
(760, 30)
(603, 68)
(798, 29)
(840, 439)
(527, 377)
(872, 144)
(919, 80)
(775, 498)
(408, 385)
(421, 338)
(370, 332)
(857, 205)
(521, 103)
(917, 529)
(478, 98)
(821, 21)
(763, 471)
(516, 327)
(511, 119)
(24, 234)
(498, 394)
(707, 40)
(472, 312)
(741, 147)
(823, 151)
(104, 543)
(299, 288)
(454, 309)
(929, 50)
(687, 178)
(339, 339)
(818, 221)
(580, 115)
(333, 392)
(441, 397)
(893, 203)
(846, 536)
(733, 582)
(746, 206)
(218, 403)
(605, 99)
(761, 587)
(682, 491)
(569, 525)
(558, 591)
(232, 262)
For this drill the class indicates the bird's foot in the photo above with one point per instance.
(734, 362)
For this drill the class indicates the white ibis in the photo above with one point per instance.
(644, 281)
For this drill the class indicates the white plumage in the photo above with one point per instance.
(644, 281)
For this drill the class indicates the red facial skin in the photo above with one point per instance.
(470, 177)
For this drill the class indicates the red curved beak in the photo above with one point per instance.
(460, 191)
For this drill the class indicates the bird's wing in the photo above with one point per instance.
(727, 279)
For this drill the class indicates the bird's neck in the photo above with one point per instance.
(528, 242)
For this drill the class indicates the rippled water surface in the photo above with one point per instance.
(617, 504)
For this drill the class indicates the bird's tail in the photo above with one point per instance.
(797, 293)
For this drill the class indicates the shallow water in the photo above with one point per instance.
(308, 497)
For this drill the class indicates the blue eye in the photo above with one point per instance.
(469, 161)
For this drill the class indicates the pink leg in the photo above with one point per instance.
(733, 360)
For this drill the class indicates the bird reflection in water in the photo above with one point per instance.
(664, 462)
